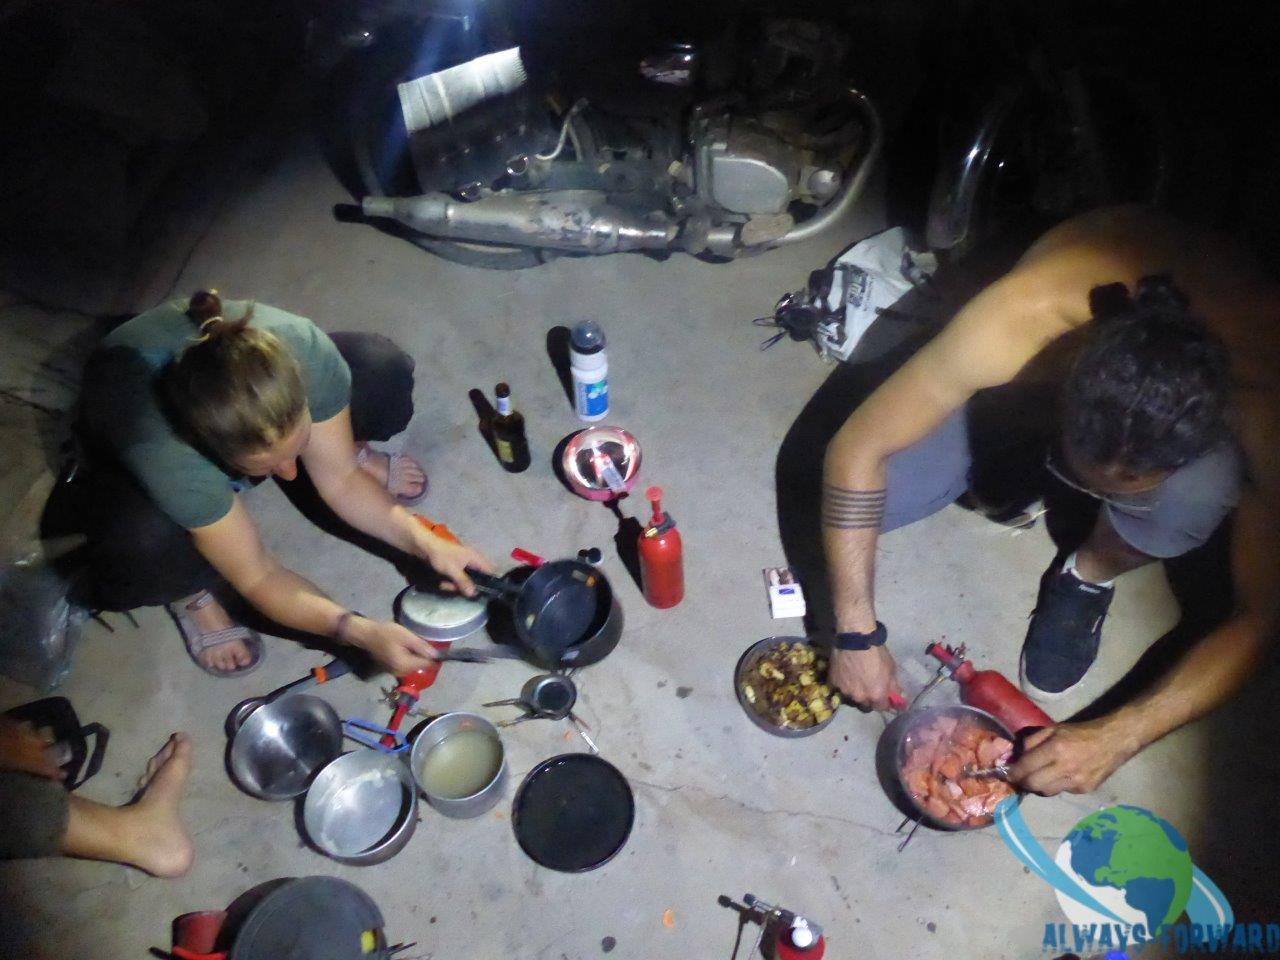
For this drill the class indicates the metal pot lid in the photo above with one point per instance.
(439, 616)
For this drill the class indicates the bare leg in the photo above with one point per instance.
(1105, 555)
(213, 616)
(146, 833)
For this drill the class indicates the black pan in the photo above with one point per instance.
(573, 813)
(554, 609)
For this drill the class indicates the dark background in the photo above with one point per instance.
(124, 122)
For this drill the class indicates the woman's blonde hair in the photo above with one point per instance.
(236, 389)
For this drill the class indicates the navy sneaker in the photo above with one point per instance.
(1066, 628)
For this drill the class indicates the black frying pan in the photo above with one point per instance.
(554, 608)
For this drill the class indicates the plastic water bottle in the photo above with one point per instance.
(590, 369)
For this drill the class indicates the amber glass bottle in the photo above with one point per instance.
(509, 438)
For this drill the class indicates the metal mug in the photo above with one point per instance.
(435, 733)
(279, 747)
(362, 808)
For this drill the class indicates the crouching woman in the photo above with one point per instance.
(183, 408)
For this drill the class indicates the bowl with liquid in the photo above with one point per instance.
(459, 764)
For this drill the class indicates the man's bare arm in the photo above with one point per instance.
(986, 344)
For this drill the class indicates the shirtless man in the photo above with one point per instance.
(1168, 414)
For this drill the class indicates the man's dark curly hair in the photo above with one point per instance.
(1150, 388)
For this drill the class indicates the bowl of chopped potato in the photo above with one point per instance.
(781, 683)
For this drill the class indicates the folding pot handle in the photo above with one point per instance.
(359, 730)
(496, 587)
(335, 668)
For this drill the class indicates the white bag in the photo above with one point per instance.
(868, 277)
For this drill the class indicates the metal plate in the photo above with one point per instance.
(573, 813)
(439, 616)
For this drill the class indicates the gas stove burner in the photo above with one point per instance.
(548, 696)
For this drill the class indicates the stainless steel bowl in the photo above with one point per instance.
(746, 664)
(362, 808)
(439, 730)
(278, 748)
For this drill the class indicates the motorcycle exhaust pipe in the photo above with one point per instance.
(579, 221)
(439, 97)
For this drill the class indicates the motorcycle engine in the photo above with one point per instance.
(744, 167)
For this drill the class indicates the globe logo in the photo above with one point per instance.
(1131, 862)
(1123, 877)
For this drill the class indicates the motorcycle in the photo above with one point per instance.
(720, 147)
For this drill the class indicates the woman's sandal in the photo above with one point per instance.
(397, 467)
(197, 641)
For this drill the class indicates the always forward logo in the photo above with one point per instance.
(1124, 877)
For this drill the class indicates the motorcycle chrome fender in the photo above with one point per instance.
(954, 198)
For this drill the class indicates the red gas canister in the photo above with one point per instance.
(799, 942)
(787, 935)
(661, 556)
(991, 691)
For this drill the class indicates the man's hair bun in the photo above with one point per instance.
(204, 305)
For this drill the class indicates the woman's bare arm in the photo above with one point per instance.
(232, 546)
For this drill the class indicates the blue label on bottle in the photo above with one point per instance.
(593, 398)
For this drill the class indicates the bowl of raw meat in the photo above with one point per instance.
(925, 758)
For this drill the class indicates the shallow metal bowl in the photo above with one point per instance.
(362, 808)
(440, 729)
(278, 747)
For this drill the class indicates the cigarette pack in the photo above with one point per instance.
(786, 598)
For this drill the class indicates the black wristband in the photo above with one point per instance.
(863, 641)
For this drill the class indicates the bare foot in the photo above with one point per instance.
(224, 657)
(157, 836)
(408, 480)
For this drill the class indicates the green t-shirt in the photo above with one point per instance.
(122, 414)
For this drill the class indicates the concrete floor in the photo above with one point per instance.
(722, 808)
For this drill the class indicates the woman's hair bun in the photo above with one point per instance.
(204, 306)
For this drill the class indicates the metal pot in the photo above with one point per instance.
(891, 754)
(362, 808)
(435, 733)
(277, 749)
